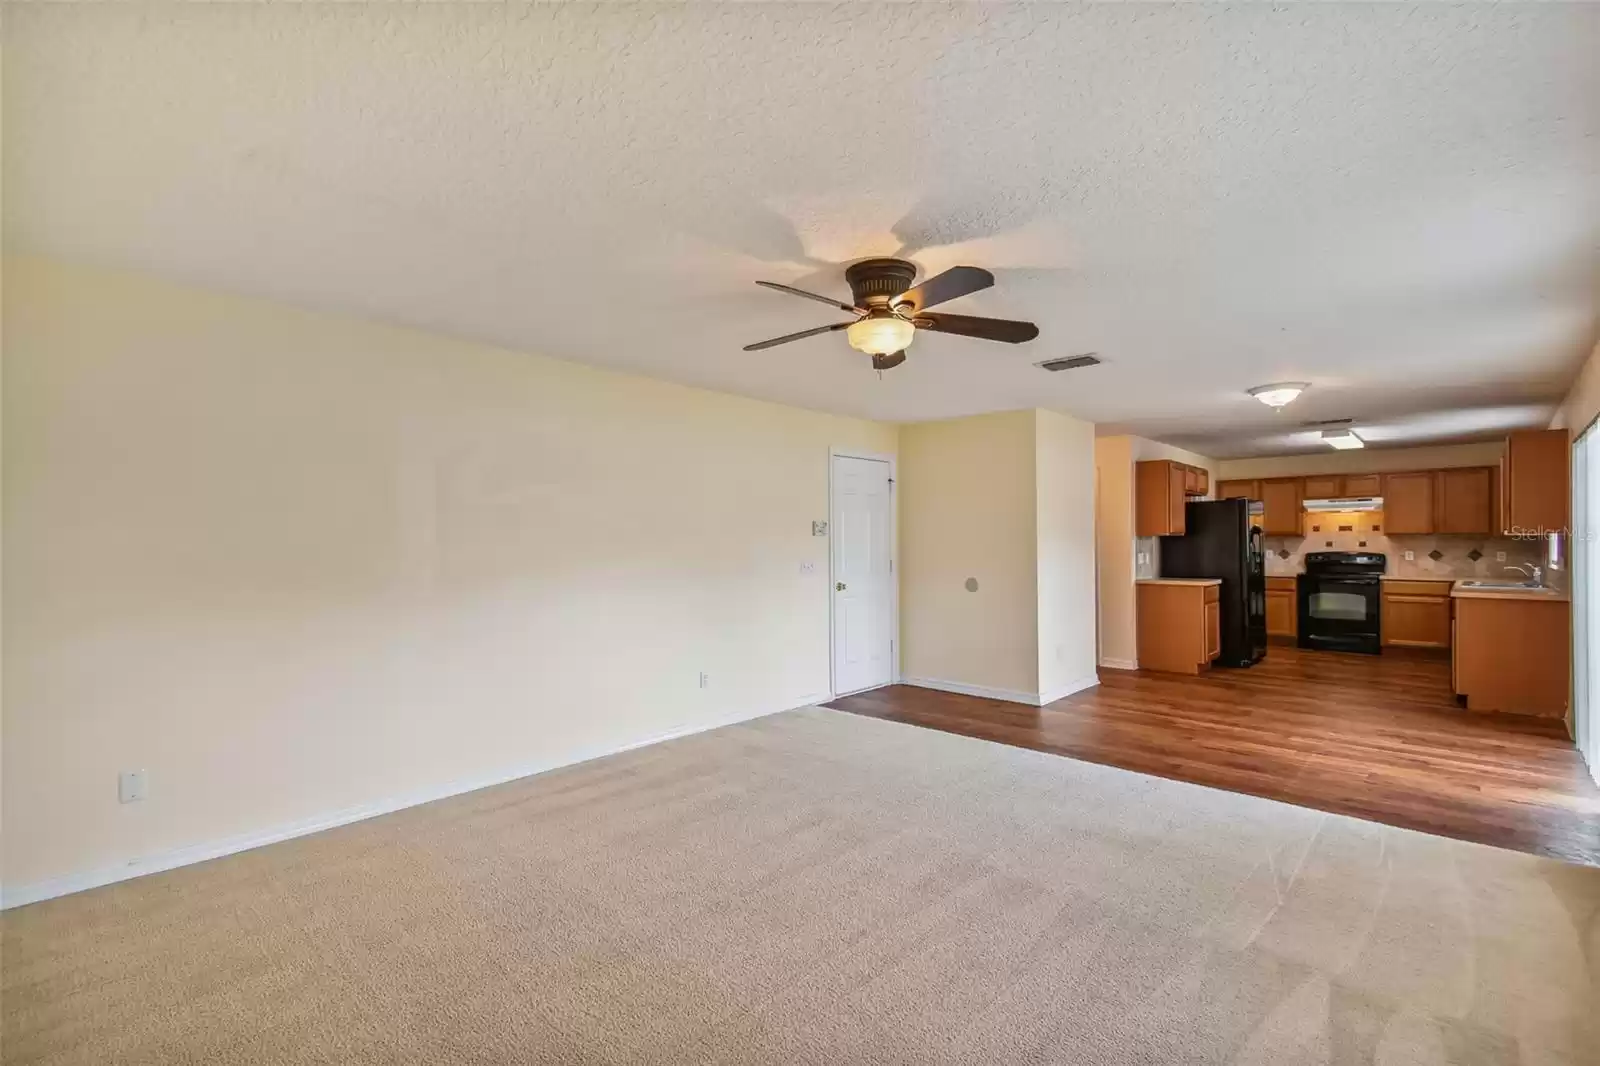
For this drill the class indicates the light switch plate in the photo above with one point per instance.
(131, 786)
(808, 568)
(819, 529)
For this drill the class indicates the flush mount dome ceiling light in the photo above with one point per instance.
(1343, 439)
(1281, 393)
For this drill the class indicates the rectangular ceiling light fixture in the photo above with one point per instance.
(1070, 363)
(1342, 439)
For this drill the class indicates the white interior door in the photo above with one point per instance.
(863, 575)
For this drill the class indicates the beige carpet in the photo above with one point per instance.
(820, 888)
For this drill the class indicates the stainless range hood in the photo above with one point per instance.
(1351, 503)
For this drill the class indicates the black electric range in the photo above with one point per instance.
(1338, 598)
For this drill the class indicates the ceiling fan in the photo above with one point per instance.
(889, 310)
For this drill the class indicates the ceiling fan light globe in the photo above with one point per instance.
(880, 336)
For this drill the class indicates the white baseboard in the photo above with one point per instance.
(1032, 699)
(1120, 664)
(168, 860)
(1068, 689)
(1009, 695)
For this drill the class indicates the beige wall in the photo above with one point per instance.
(968, 509)
(1582, 404)
(1066, 554)
(1119, 549)
(293, 564)
(1365, 460)
(1146, 450)
(1007, 500)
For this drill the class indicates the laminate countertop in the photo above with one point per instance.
(1387, 577)
(1549, 595)
(1180, 581)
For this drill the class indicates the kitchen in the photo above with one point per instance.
(1450, 560)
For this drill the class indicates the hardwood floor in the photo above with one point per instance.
(1377, 737)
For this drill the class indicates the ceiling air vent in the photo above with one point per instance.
(1071, 362)
(1328, 422)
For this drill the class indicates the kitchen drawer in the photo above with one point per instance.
(1280, 584)
(1420, 587)
(1213, 594)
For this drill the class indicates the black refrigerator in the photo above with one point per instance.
(1224, 540)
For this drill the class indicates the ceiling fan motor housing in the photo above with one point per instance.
(876, 282)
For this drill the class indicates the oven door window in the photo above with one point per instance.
(1341, 606)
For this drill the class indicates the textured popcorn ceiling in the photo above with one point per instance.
(1400, 204)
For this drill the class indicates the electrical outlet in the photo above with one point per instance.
(131, 786)
(1499, 557)
(1411, 556)
(1144, 557)
(705, 680)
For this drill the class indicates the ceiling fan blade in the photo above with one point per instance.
(890, 361)
(957, 281)
(988, 329)
(829, 300)
(785, 339)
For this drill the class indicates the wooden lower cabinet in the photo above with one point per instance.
(1415, 614)
(1513, 654)
(1283, 607)
(1179, 624)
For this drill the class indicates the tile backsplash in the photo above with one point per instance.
(1433, 556)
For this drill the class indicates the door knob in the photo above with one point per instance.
(838, 586)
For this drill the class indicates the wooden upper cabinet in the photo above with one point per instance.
(1535, 485)
(1324, 488)
(1408, 503)
(1465, 501)
(1342, 486)
(1160, 491)
(1281, 499)
(1238, 490)
(1363, 485)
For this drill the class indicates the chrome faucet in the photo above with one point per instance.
(1535, 574)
